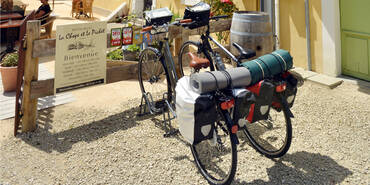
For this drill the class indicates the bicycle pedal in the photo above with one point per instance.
(161, 105)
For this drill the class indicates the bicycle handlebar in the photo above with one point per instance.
(183, 22)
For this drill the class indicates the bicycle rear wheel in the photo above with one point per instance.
(153, 79)
(216, 159)
(184, 59)
(271, 137)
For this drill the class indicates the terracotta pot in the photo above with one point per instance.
(9, 78)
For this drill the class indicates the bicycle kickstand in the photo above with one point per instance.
(144, 106)
(167, 121)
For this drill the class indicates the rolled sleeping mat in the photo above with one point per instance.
(269, 65)
(210, 81)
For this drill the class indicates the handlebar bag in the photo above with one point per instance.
(196, 113)
(263, 91)
(199, 13)
(158, 17)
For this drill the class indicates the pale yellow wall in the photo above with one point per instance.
(175, 5)
(293, 32)
(110, 4)
(251, 5)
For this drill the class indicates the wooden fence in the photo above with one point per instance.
(36, 48)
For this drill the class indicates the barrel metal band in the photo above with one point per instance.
(251, 34)
(252, 20)
(282, 59)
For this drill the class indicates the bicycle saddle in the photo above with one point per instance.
(198, 63)
(244, 54)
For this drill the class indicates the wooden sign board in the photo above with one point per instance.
(115, 37)
(80, 58)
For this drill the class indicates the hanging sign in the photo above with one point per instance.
(115, 37)
(127, 36)
(147, 38)
(137, 36)
(80, 58)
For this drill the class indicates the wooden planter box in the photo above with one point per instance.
(123, 69)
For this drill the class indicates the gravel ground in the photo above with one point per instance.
(112, 146)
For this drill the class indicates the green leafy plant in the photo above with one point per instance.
(115, 55)
(222, 7)
(10, 60)
(133, 48)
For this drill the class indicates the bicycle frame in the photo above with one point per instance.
(206, 48)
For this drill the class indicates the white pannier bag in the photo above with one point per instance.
(196, 113)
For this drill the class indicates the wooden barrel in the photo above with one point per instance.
(251, 30)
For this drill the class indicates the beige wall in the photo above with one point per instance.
(293, 32)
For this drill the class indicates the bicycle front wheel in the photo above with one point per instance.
(216, 158)
(184, 59)
(271, 137)
(153, 79)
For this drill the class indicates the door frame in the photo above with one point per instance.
(331, 37)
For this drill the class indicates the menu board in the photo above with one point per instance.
(115, 37)
(127, 36)
(80, 58)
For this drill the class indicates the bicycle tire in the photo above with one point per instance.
(159, 72)
(256, 140)
(208, 173)
(181, 60)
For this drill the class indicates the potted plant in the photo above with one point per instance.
(131, 53)
(8, 68)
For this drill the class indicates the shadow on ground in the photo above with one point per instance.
(61, 142)
(303, 168)
(363, 86)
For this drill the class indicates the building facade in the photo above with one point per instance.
(339, 30)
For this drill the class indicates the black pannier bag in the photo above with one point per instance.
(199, 13)
(243, 100)
(158, 17)
(289, 93)
(196, 113)
(263, 91)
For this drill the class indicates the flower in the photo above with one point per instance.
(227, 2)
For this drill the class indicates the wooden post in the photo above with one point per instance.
(178, 44)
(31, 69)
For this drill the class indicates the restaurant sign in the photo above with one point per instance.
(80, 58)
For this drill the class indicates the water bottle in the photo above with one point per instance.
(218, 60)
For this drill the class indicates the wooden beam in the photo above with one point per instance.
(120, 73)
(43, 48)
(29, 107)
